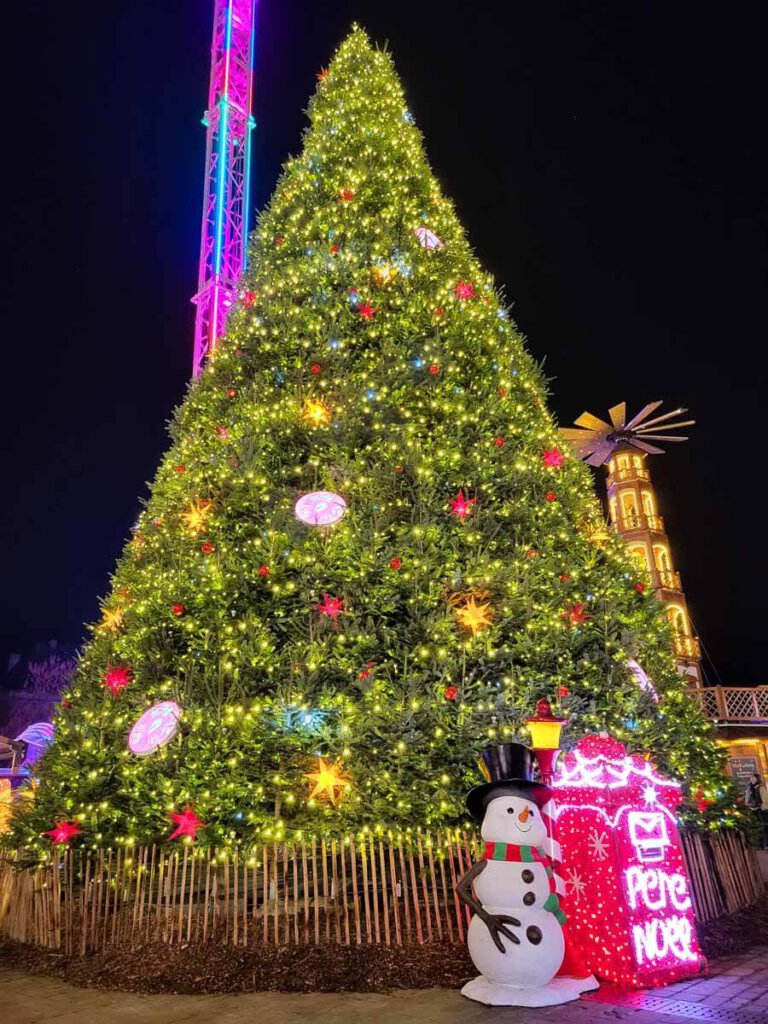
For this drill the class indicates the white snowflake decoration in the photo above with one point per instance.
(598, 844)
(575, 883)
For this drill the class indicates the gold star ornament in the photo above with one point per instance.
(196, 516)
(316, 412)
(474, 615)
(327, 781)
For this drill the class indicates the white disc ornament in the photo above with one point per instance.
(156, 727)
(320, 508)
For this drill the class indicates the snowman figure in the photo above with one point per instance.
(515, 938)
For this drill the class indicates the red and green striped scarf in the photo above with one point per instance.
(528, 855)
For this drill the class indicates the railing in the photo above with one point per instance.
(733, 703)
(367, 891)
(630, 473)
(640, 521)
(686, 646)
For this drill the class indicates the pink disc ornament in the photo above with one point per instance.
(320, 508)
(156, 727)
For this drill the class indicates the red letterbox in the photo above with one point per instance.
(628, 897)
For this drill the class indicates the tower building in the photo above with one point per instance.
(623, 448)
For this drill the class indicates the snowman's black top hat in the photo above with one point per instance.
(508, 769)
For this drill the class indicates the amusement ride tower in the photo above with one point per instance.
(229, 122)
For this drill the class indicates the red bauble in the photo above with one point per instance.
(640, 587)
(263, 571)
(565, 577)
(334, 249)
(434, 369)
(501, 392)
(178, 609)
(181, 468)
(531, 553)
(206, 547)
(231, 393)
(316, 369)
(399, 469)
(550, 496)
(395, 563)
(563, 691)
(439, 312)
(248, 299)
(347, 195)
(450, 693)
(279, 241)
(499, 442)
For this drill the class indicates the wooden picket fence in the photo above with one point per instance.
(354, 892)
(370, 890)
(724, 872)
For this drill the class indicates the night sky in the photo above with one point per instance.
(607, 160)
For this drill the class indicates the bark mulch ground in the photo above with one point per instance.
(213, 968)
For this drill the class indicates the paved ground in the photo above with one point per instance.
(736, 992)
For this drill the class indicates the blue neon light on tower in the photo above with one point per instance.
(229, 124)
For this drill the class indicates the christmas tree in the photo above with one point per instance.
(366, 555)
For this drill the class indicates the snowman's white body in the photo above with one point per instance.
(524, 974)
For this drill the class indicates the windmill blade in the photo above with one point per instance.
(592, 423)
(572, 434)
(644, 412)
(665, 426)
(601, 454)
(663, 437)
(662, 419)
(618, 415)
(649, 449)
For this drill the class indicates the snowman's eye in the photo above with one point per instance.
(510, 810)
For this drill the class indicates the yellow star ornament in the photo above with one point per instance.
(196, 516)
(474, 616)
(327, 780)
(113, 619)
(316, 412)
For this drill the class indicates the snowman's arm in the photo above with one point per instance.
(495, 923)
(464, 888)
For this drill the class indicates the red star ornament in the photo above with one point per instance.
(367, 311)
(187, 823)
(552, 457)
(117, 677)
(63, 832)
(464, 290)
(461, 506)
(576, 614)
(332, 607)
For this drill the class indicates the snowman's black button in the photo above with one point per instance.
(533, 934)
(527, 875)
(529, 899)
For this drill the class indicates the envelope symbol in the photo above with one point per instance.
(648, 832)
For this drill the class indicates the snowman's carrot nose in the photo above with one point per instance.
(524, 815)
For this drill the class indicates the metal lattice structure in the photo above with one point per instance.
(229, 123)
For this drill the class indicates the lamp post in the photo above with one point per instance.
(545, 739)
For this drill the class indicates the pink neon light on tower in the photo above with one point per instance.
(229, 124)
